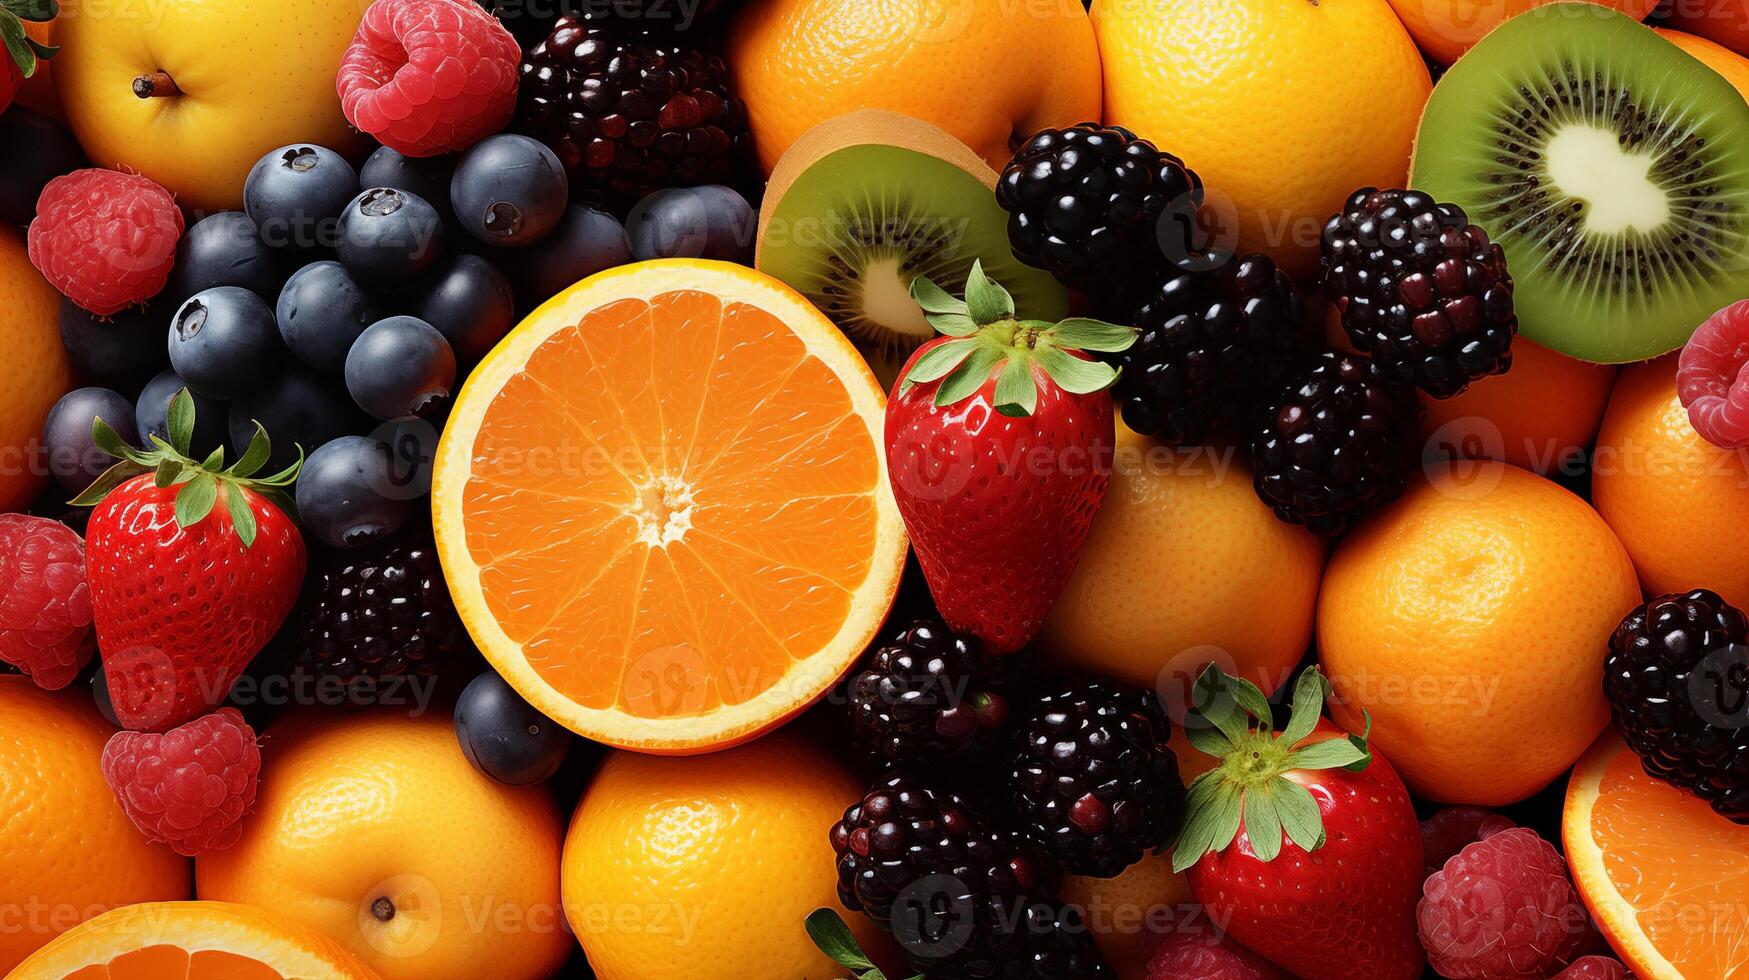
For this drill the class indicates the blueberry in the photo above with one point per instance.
(506, 738)
(709, 222)
(34, 150)
(122, 351)
(471, 304)
(73, 458)
(223, 341)
(389, 236)
(427, 177)
(509, 190)
(295, 195)
(400, 368)
(152, 412)
(321, 311)
(224, 249)
(298, 408)
(347, 495)
(585, 243)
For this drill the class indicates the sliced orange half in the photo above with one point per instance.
(191, 941)
(662, 506)
(1665, 876)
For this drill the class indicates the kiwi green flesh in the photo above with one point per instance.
(855, 228)
(1611, 166)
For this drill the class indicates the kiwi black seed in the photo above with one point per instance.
(1611, 166)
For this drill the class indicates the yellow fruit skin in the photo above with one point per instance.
(704, 867)
(30, 341)
(1185, 565)
(381, 805)
(1466, 620)
(254, 75)
(67, 852)
(1283, 107)
(1147, 897)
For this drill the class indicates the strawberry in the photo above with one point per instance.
(192, 568)
(1304, 844)
(999, 442)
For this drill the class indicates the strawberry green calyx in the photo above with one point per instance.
(24, 50)
(171, 465)
(835, 939)
(1232, 721)
(987, 336)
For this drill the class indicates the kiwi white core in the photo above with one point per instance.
(886, 299)
(1589, 163)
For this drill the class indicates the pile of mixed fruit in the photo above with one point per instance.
(803, 489)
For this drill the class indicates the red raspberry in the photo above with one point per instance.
(1503, 907)
(105, 239)
(188, 787)
(1595, 968)
(45, 605)
(1204, 954)
(1712, 377)
(429, 76)
(1455, 827)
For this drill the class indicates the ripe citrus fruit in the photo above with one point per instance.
(1283, 107)
(1239, 587)
(1716, 56)
(662, 506)
(1468, 620)
(214, 109)
(1661, 872)
(1121, 912)
(955, 63)
(68, 852)
(375, 831)
(718, 859)
(1446, 29)
(192, 941)
(30, 339)
(1540, 415)
(1679, 503)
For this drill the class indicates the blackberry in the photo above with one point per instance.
(1098, 207)
(1338, 440)
(1420, 289)
(627, 115)
(930, 695)
(1677, 680)
(374, 613)
(1095, 784)
(1212, 341)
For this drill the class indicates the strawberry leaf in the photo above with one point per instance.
(215, 461)
(1198, 833)
(1250, 697)
(1213, 699)
(1016, 391)
(969, 376)
(242, 517)
(285, 477)
(195, 500)
(935, 299)
(1300, 816)
(938, 362)
(167, 473)
(986, 300)
(1335, 753)
(181, 422)
(1208, 741)
(104, 437)
(111, 478)
(952, 324)
(1308, 704)
(33, 10)
(254, 455)
(828, 931)
(1073, 374)
(1263, 821)
(1081, 333)
(18, 45)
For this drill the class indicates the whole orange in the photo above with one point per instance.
(1679, 503)
(1186, 566)
(990, 72)
(1468, 621)
(1283, 107)
(1716, 56)
(1446, 29)
(1121, 912)
(30, 341)
(705, 867)
(68, 852)
(374, 830)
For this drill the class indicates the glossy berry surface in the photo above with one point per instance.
(426, 177)
(388, 236)
(928, 695)
(1207, 954)
(223, 341)
(189, 787)
(348, 495)
(321, 311)
(472, 304)
(707, 222)
(73, 458)
(1503, 907)
(1711, 381)
(105, 239)
(587, 241)
(152, 413)
(299, 409)
(400, 367)
(509, 190)
(224, 249)
(295, 194)
(45, 603)
(504, 737)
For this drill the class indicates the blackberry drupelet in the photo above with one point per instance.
(1098, 207)
(629, 115)
(928, 696)
(1677, 680)
(1213, 341)
(1420, 289)
(1336, 441)
(376, 613)
(1095, 784)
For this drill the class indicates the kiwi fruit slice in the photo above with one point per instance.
(866, 202)
(1611, 166)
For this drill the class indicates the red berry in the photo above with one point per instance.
(1204, 954)
(45, 605)
(188, 787)
(1503, 907)
(1595, 968)
(1712, 380)
(1456, 827)
(105, 239)
(429, 76)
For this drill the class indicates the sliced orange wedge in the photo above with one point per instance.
(1665, 876)
(662, 506)
(191, 941)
